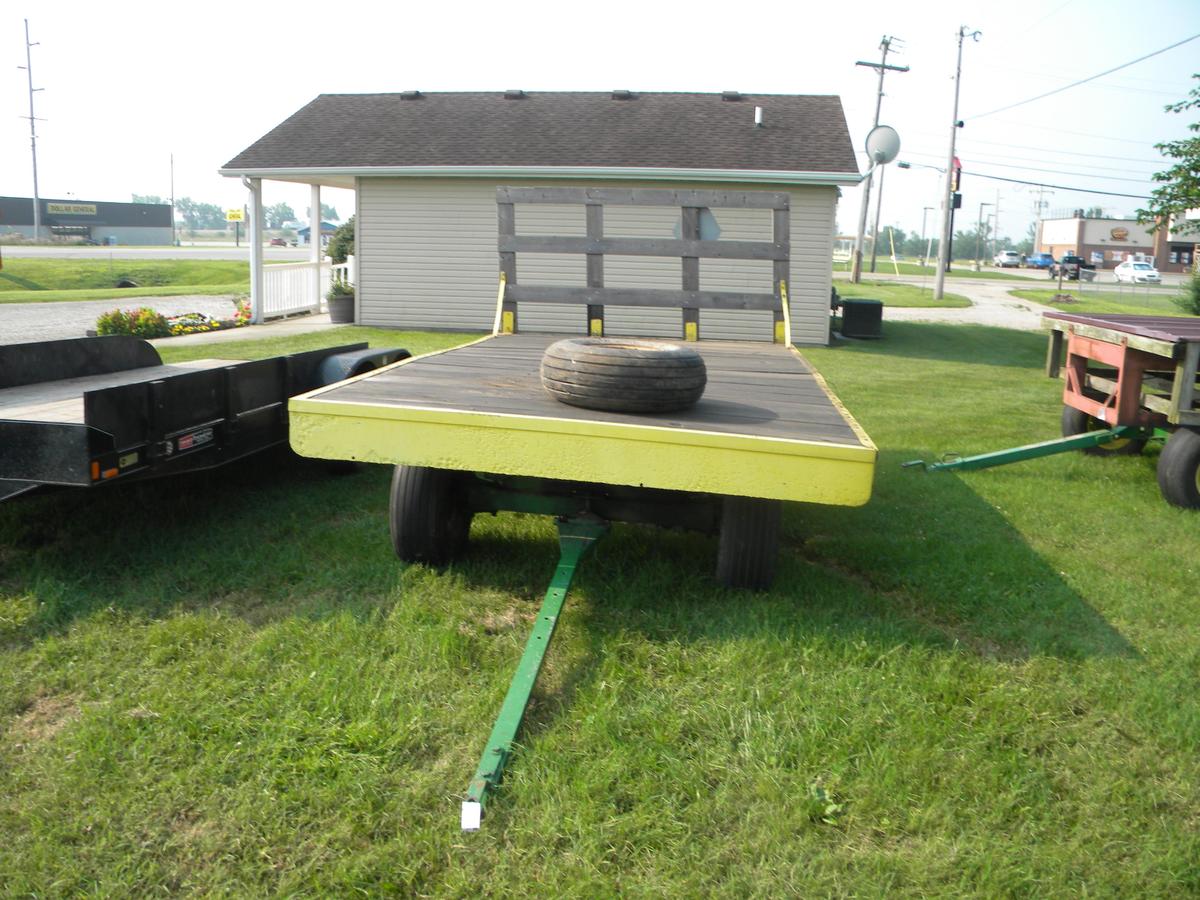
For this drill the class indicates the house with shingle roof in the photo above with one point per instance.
(425, 168)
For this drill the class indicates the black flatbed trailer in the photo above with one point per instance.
(87, 412)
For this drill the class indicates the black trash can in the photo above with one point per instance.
(862, 318)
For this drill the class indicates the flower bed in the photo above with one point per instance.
(148, 323)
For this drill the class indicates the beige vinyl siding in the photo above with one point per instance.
(426, 255)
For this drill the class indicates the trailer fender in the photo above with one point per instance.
(340, 366)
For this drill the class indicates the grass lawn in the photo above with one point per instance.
(1154, 302)
(977, 684)
(893, 294)
(49, 280)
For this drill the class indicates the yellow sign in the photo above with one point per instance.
(72, 209)
(235, 215)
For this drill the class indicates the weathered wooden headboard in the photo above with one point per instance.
(689, 247)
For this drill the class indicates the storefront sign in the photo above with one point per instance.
(1120, 234)
(71, 209)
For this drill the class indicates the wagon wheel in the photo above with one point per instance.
(748, 546)
(1179, 469)
(428, 514)
(1076, 421)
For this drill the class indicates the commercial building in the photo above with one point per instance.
(89, 220)
(1106, 243)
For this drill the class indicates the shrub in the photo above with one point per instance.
(341, 244)
(142, 322)
(1189, 300)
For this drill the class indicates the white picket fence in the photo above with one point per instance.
(288, 288)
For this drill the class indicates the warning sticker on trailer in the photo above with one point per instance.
(193, 440)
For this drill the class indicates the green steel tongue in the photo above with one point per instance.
(575, 538)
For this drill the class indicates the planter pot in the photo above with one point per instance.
(341, 310)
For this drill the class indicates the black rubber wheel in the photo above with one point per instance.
(1179, 469)
(1076, 421)
(748, 546)
(428, 515)
(623, 375)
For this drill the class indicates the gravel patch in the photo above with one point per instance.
(21, 322)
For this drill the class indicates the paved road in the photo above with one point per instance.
(21, 322)
(220, 251)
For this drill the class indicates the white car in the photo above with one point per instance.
(1007, 259)
(1137, 273)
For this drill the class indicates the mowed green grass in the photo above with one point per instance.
(960, 268)
(49, 280)
(893, 294)
(978, 684)
(1135, 301)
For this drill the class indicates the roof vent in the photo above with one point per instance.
(758, 117)
(622, 95)
(410, 95)
(730, 96)
(514, 95)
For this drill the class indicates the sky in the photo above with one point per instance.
(128, 84)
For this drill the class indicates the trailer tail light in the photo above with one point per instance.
(95, 471)
(110, 473)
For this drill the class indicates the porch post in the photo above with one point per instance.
(255, 231)
(314, 235)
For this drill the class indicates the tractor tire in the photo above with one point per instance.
(748, 545)
(1076, 421)
(428, 515)
(1179, 469)
(617, 375)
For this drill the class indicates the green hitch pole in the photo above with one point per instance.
(1033, 451)
(575, 538)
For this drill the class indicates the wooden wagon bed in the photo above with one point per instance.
(767, 425)
(1128, 370)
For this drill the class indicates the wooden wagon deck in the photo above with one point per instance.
(1139, 370)
(767, 426)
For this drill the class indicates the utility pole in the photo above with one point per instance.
(924, 253)
(948, 191)
(875, 227)
(28, 67)
(996, 226)
(881, 67)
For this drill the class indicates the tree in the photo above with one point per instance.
(1179, 188)
(199, 215)
(278, 215)
(341, 244)
(1094, 212)
(150, 198)
(328, 213)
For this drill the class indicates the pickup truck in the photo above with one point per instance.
(1039, 261)
(1073, 268)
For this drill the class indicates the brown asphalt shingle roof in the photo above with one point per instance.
(802, 133)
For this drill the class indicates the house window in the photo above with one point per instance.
(1174, 257)
(1185, 257)
(1116, 255)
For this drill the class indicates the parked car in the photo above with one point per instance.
(1073, 268)
(278, 242)
(1007, 259)
(1137, 273)
(1039, 261)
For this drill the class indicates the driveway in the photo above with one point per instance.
(22, 322)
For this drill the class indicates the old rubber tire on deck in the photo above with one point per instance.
(1179, 469)
(748, 546)
(428, 514)
(1076, 421)
(623, 375)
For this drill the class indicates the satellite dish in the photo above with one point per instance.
(883, 144)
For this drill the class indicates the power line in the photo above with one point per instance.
(1086, 80)
(1133, 159)
(991, 162)
(1061, 187)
